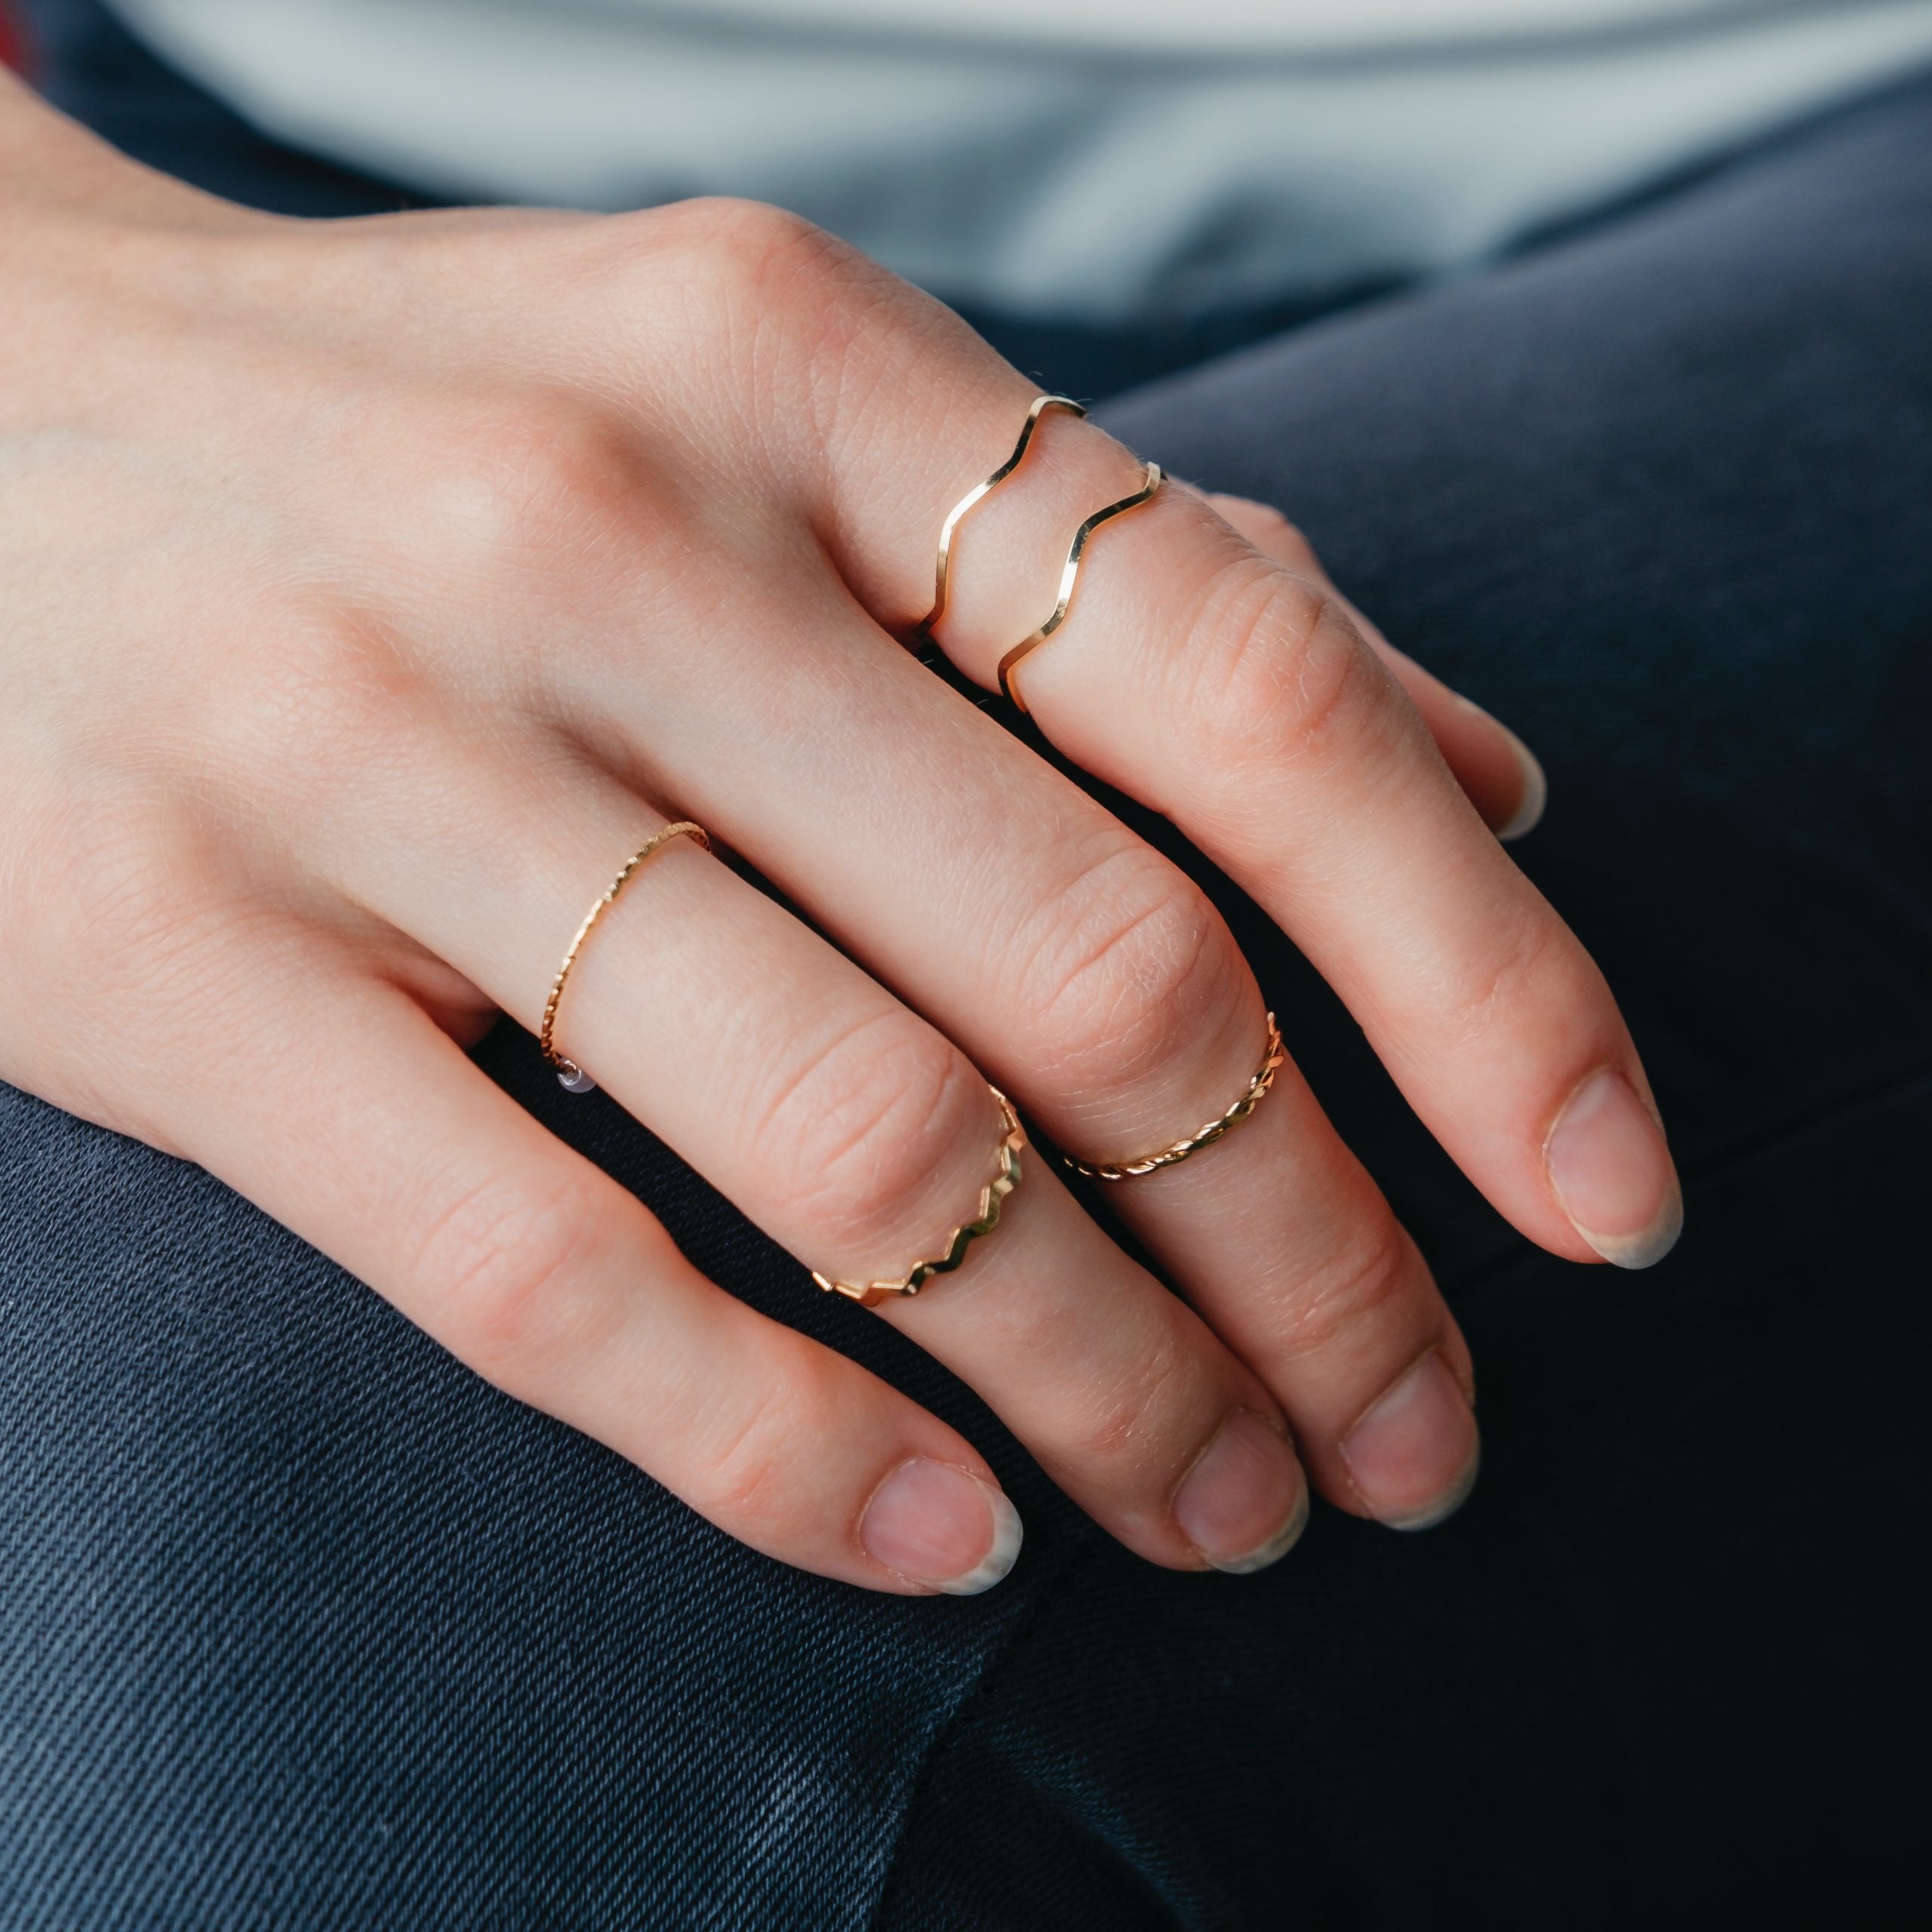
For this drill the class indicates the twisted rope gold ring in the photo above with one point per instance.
(1176, 1151)
(992, 1198)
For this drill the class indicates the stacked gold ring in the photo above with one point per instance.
(974, 497)
(1069, 576)
(1151, 480)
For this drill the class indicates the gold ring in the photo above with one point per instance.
(1177, 1151)
(992, 1198)
(942, 567)
(572, 1076)
(1150, 482)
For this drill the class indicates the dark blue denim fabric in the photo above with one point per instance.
(301, 1625)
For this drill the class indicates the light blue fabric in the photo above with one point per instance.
(1065, 158)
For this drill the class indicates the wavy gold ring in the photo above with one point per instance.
(992, 1198)
(1150, 482)
(572, 1076)
(1176, 1151)
(958, 515)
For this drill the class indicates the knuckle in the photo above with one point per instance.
(1530, 962)
(126, 916)
(1263, 525)
(106, 904)
(501, 1269)
(312, 694)
(1272, 519)
(748, 1472)
(737, 225)
(1136, 971)
(1133, 1422)
(751, 1473)
(821, 321)
(865, 1127)
(1359, 1295)
(542, 480)
(126, 957)
(744, 254)
(1276, 672)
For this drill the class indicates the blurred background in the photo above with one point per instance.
(1109, 189)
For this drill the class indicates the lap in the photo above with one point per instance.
(304, 1625)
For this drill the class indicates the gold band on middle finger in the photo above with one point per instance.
(1272, 1060)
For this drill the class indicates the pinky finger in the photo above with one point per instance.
(376, 1140)
(1498, 771)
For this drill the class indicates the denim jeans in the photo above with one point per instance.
(302, 1625)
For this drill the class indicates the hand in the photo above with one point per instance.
(375, 588)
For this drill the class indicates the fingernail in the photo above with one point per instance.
(1244, 1503)
(1413, 1455)
(1535, 792)
(1613, 1173)
(941, 1526)
(1528, 813)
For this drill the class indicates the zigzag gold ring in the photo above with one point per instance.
(992, 1198)
(974, 497)
(1272, 1060)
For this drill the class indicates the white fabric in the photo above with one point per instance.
(1081, 159)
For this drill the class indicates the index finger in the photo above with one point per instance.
(1237, 697)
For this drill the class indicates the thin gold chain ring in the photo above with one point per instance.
(572, 1076)
(1273, 1060)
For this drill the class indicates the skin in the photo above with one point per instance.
(375, 588)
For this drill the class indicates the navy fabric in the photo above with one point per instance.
(302, 1626)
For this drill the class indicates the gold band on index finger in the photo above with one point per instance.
(1274, 1056)
(974, 497)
